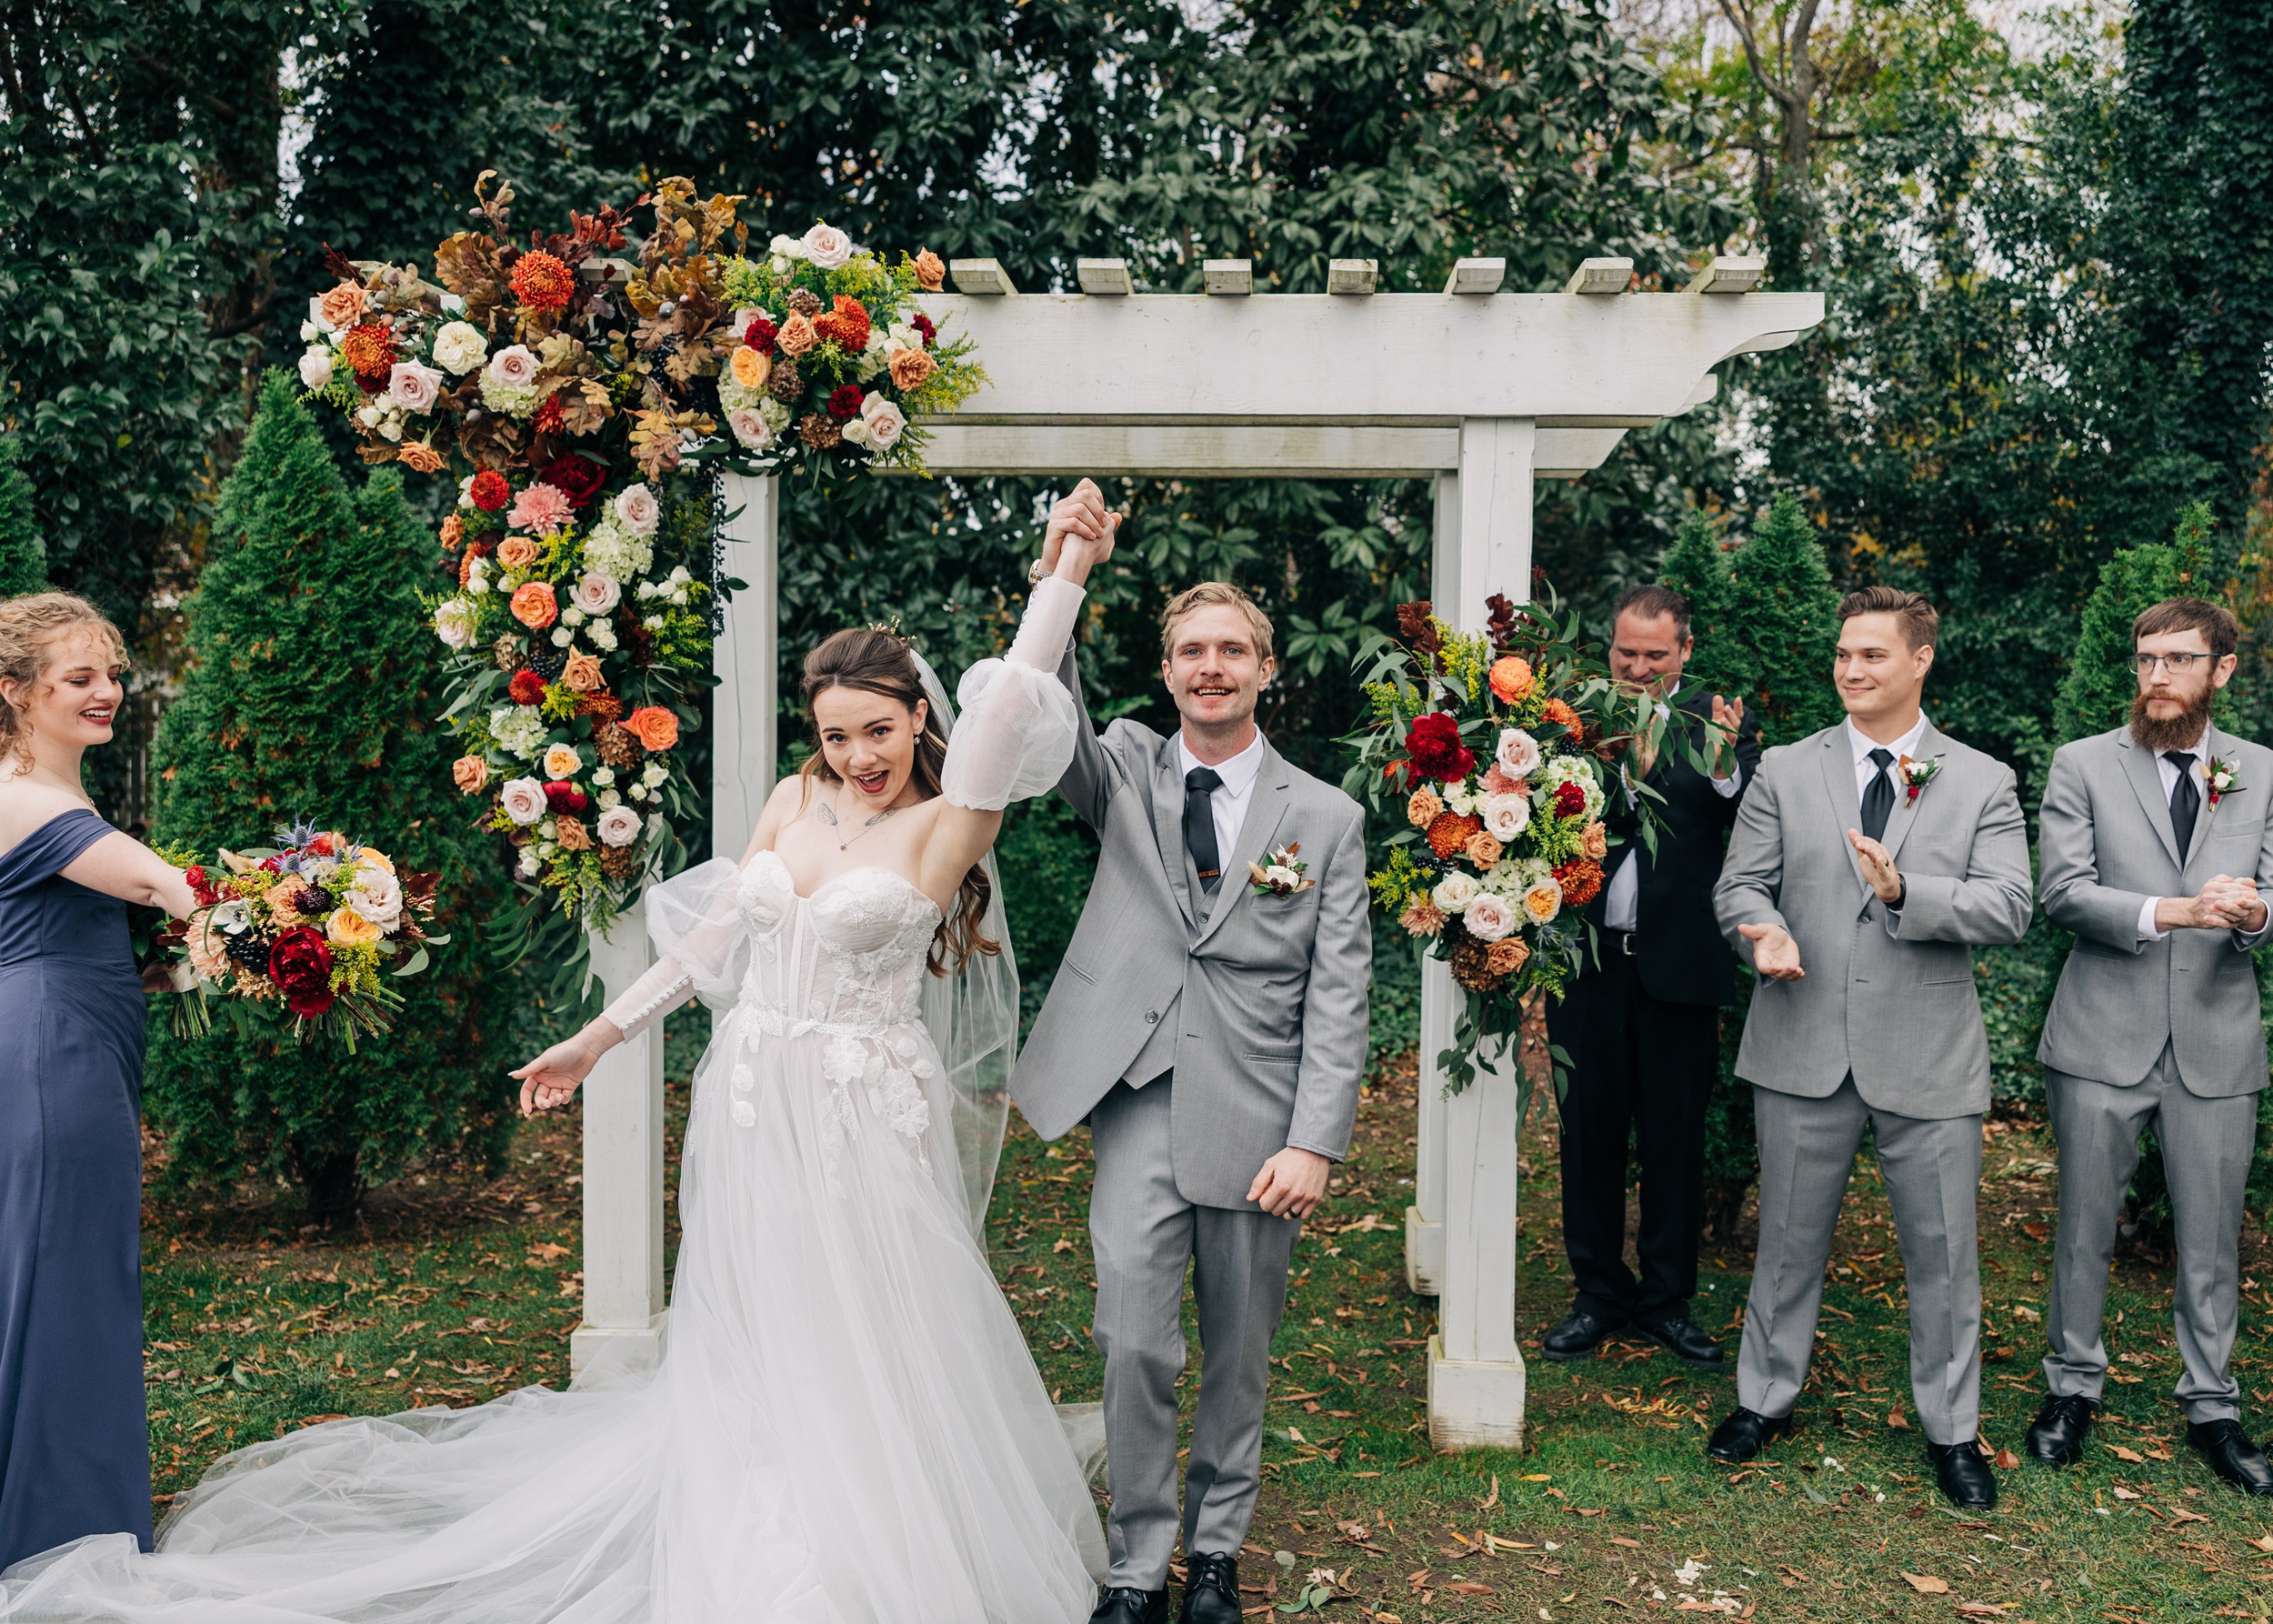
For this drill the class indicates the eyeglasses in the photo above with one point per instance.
(2177, 664)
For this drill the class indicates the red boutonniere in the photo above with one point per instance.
(1917, 772)
(2221, 776)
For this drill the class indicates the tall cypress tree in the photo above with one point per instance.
(311, 686)
(1697, 566)
(2095, 694)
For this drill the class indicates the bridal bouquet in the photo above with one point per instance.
(309, 925)
(1492, 747)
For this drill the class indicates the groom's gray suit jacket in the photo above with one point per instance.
(1896, 1009)
(1267, 993)
(2106, 847)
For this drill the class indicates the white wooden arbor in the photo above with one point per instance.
(1481, 391)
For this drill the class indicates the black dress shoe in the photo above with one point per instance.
(1578, 1337)
(1125, 1604)
(1745, 1434)
(1211, 1589)
(1683, 1338)
(2057, 1435)
(2231, 1454)
(1964, 1474)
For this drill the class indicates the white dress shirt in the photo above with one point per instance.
(1621, 902)
(1866, 769)
(1228, 800)
(2167, 771)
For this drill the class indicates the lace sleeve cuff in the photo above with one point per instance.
(651, 998)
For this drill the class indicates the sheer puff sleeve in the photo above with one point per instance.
(1016, 736)
(694, 919)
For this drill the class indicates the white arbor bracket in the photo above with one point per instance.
(1484, 392)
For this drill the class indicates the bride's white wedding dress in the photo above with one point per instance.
(846, 1425)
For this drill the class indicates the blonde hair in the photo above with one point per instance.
(1207, 595)
(30, 627)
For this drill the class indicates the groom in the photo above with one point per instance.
(1212, 1032)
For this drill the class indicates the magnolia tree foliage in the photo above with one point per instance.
(309, 691)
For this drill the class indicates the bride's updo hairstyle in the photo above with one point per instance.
(878, 662)
(30, 627)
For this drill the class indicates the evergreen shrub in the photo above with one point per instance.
(23, 558)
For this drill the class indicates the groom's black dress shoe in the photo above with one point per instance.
(2057, 1436)
(2231, 1454)
(1745, 1434)
(1963, 1472)
(1123, 1604)
(1578, 1337)
(1211, 1589)
(1683, 1338)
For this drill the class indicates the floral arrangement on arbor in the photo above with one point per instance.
(583, 402)
(1491, 746)
(308, 925)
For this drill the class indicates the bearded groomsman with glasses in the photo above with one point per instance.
(2156, 838)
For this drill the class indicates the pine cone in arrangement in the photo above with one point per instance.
(816, 430)
(249, 951)
(1471, 966)
(507, 652)
(619, 862)
(617, 748)
(547, 663)
(804, 302)
(785, 383)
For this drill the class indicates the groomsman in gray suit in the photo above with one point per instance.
(2156, 838)
(1867, 863)
(1208, 1023)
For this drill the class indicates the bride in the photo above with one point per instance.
(845, 1426)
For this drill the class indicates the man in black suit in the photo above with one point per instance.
(1641, 1024)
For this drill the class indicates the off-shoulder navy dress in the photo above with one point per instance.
(74, 1436)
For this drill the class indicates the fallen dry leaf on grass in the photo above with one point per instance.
(2005, 1459)
(2265, 1543)
(2122, 1493)
(2120, 1453)
(1895, 1418)
(1980, 1610)
(1925, 1584)
(1629, 1544)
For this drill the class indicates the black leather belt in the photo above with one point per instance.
(1625, 939)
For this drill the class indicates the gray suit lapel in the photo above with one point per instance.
(1266, 809)
(1904, 817)
(2139, 766)
(2212, 748)
(1167, 825)
(1846, 801)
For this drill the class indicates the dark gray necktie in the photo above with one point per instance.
(1878, 795)
(2186, 799)
(1199, 824)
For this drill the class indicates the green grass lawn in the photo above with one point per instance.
(460, 1288)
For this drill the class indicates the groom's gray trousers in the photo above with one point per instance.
(1145, 1234)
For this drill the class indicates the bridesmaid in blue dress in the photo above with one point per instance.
(74, 1442)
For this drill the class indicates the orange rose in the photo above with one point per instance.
(572, 834)
(470, 774)
(1506, 956)
(751, 369)
(1483, 850)
(910, 367)
(453, 532)
(1511, 679)
(516, 552)
(796, 335)
(654, 727)
(930, 273)
(582, 672)
(1594, 841)
(1423, 808)
(343, 303)
(421, 457)
(535, 607)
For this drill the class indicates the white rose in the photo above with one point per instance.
(826, 247)
(460, 347)
(597, 592)
(316, 368)
(1488, 918)
(514, 366)
(602, 635)
(885, 420)
(655, 774)
(1455, 892)
(563, 635)
(560, 761)
(749, 428)
(453, 623)
(608, 798)
(1506, 815)
(377, 895)
(604, 775)
(392, 428)
(637, 509)
(855, 432)
(1279, 876)
(618, 826)
(523, 800)
(1519, 753)
(529, 863)
(787, 247)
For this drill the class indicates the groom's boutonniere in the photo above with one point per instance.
(2221, 775)
(1281, 873)
(1917, 772)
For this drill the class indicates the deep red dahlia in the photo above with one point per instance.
(1435, 750)
(759, 335)
(1569, 801)
(565, 796)
(543, 282)
(527, 686)
(922, 324)
(491, 490)
(844, 402)
(578, 477)
(301, 963)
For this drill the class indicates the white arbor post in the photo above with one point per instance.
(1425, 1218)
(624, 1294)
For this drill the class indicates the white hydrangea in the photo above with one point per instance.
(519, 729)
(733, 398)
(1568, 769)
(611, 549)
(776, 413)
(510, 400)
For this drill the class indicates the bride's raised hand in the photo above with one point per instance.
(550, 1080)
(1080, 513)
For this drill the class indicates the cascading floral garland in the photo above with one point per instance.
(585, 403)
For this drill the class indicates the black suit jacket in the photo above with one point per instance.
(1678, 944)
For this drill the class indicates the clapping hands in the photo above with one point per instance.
(1878, 866)
(1079, 535)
